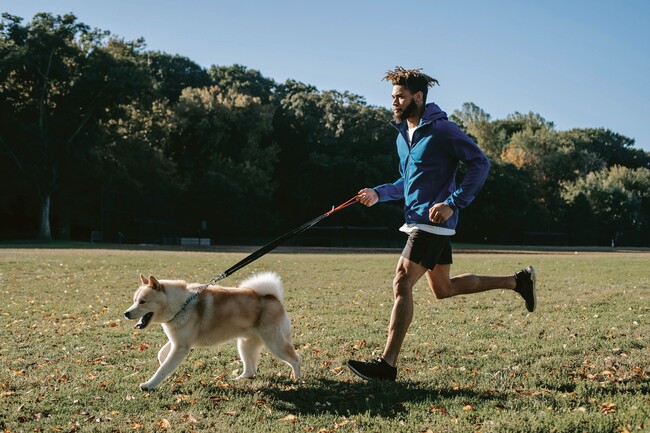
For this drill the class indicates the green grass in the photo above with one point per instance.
(70, 362)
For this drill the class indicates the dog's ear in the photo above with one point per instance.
(144, 280)
(154, 283)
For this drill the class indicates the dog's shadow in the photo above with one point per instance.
(376, 398)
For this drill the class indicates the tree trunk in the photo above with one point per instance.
(44, 232)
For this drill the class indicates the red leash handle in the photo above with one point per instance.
(350, 202)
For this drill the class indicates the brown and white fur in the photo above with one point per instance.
(253, 313)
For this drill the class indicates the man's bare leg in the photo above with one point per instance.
(406, 275)
(445, 287)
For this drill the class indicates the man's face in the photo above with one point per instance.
(404, 103)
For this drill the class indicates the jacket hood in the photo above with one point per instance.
(433, 112)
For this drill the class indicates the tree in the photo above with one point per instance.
(173, 73)
(331, 145)
(243, 80)
(612, 148)
(619, 198)
(58, 79)
(477, 124)
(494, 135)
(550, 159)
(139, 184)
(220, 145)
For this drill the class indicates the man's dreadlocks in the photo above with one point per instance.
(413, 79)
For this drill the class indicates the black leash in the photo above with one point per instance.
(262, 251)
(279, 241)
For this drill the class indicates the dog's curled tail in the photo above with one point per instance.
(265, 283)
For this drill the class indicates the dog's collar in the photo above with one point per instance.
(179, 315)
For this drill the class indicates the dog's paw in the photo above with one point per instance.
(241, 376)
(146, 387)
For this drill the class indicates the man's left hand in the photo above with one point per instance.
(440, 212)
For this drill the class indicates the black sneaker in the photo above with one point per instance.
(526, 287)
(377, 369)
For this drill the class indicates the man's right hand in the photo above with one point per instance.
(368, 196)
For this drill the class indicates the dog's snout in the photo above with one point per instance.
(127, 314)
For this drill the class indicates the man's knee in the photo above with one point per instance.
(441, 289)
(402, 286)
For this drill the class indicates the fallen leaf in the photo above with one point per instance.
(289, 418)
(607, 407)
(185, 398)
(189, 418)
(360, 345)
(338, 425)
(438, 409)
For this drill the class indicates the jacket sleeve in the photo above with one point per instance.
(478, 166)
(391, 191)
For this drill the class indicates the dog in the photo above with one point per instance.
(253, 313)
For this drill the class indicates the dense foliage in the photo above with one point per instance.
(99, 134)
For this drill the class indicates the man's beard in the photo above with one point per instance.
(406, 113)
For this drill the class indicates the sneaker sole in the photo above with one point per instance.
(356, 372)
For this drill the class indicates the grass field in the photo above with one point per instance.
(581, 363)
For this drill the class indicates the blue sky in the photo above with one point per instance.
(577, 63)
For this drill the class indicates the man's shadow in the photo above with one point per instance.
(377, 398)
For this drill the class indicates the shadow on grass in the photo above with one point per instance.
(386, 399)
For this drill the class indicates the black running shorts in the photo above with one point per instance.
(428, 249)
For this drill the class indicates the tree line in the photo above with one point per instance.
(99, 134)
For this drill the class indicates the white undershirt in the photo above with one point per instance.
(411, 131)
(444, 231)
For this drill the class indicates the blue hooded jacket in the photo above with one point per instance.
(428, 169)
